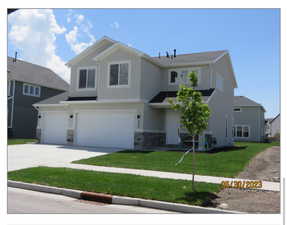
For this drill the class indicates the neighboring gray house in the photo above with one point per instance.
(27, 84)
(249, 122)
(273, 126)
(118, 98)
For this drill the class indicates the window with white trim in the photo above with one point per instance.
(241, 131)
(119, 74)
(87, 78)
(179, 75)
(31, 90)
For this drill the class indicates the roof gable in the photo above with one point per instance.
(104, 40)
(242, 101)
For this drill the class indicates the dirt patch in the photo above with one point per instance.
(264, 166)
(249, 201)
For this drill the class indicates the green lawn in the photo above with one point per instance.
(120, 184)
(224, 162)
(17, 141)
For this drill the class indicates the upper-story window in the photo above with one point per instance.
(237, 109)
(31, 90)
(87, 78)
(119, 74)
(179, 75)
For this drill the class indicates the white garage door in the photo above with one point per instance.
(105, 128)
(55, 128)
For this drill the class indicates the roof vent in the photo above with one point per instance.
(167, 55)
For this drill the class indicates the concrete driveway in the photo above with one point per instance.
(31, 155)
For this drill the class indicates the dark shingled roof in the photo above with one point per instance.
(55, 99)
(82, 98)
(172, 94)
(65, 97)
(34, 74)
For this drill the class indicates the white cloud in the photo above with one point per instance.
(79, 18)
(82, 30)
(33, 32)
(115, 25)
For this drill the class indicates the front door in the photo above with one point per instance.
(172, 123)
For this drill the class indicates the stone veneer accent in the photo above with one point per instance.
(70, 136)
(38, 134)
(142, 139)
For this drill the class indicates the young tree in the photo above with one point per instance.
(194, 114)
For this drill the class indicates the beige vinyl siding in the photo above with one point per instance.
(204, 79)
(151, 79)
(85, 62)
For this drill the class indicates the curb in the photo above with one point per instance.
(113, 199)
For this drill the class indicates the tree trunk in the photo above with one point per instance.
(193, 161)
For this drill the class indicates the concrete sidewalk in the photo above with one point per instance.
(266, 185)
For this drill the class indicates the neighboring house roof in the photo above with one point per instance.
(194, 58)
(55, 99)
(242, 101)
(274, 118)
(161, 96)
(35, 74)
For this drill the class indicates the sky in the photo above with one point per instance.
(51, 37)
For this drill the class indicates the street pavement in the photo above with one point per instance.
(25, 202)
(32, 155)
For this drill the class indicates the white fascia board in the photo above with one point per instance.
(115, 47)
(231, 67)
(112, 101)
(160, 105)
(87, 51)
(47, 105)
(220, 56)
(211, 96)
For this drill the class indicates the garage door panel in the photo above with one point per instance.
(108, 129)
(55, 128)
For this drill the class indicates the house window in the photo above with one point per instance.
(87, 78)
(119, 74)
(241, 131)
(31, 90)
(173, 77)
(180, 76)
(237, 109)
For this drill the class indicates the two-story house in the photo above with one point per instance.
(249, 121)
(118, 98)
(272, 127)
(27, 84)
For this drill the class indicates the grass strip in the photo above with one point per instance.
(168, 190)
(225, 162)
(19, 141)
